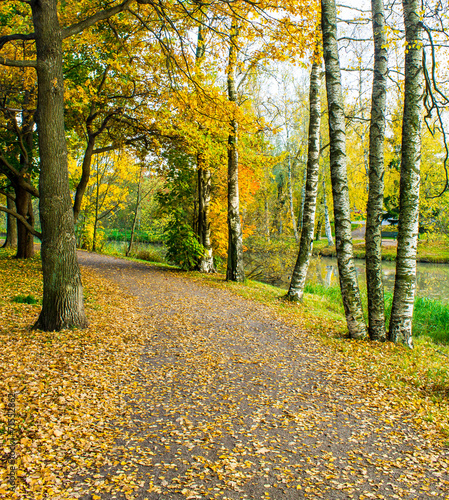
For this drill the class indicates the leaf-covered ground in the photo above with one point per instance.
(179, 390)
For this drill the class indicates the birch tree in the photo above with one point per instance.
(234, 271)
(376, 314)
(337, 135)
(405, 282)
(299, 274)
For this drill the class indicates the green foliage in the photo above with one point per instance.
(176, 200)
(183, 247)
(153, 236)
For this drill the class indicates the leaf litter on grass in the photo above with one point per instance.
(193, 392)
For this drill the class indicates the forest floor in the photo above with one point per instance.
(207, 395)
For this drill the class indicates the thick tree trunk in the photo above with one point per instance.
(373, 236)
(62, 305)
(404, 288)
(11, 226)
(25, 240)
(327, 220)
(337, 135)
(234, 270)
(299, 275)
(206, 263)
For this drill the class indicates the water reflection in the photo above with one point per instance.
(432, 280)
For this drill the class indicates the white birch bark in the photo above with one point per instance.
(405, 282)
(327, 220)
(298, 280)
(206, 262)
(373, 236)
(234, 271)
(340, 191)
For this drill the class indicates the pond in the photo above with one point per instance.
(432, 279)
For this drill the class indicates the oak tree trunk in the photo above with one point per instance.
(340, 191)
(234, 271)
(62, 305)
(299, 274)
(405, 282)
(373, 236)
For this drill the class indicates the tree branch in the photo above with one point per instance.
(22, 219)
(18, 64)
(90, 21)
(8, 195)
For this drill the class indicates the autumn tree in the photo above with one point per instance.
(348, 278)
(299, 274)
(374, 210)
(405, 282)
(62, 304)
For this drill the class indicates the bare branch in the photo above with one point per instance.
(18, 64)
(10, 38)
(8, 195)
(22, 219)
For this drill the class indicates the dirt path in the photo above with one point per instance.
(233, 403)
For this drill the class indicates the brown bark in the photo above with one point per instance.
(62, 305)
(11, 226)
(24, 207)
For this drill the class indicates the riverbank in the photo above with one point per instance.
(436, 252)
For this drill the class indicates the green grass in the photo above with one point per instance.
(25, 299)
(430, 318)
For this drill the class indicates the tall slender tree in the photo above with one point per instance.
(337, 135)
(405, 282)
(206, 263)
(234, 271)
(376, 314)
(299, 274)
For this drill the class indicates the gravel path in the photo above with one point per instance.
(231, 403)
